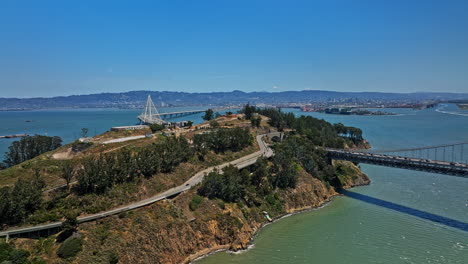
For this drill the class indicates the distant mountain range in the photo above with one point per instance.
(136, 99)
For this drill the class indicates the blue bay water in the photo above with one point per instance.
(364, 229)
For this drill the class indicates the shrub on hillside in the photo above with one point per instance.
(113, 258)
(195, 203)
(156, 127)
(69, 247)
(9, 254)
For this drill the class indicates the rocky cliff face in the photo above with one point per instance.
(169, 232)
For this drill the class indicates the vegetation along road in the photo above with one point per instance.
(194, 180)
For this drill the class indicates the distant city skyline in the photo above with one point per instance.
(60, 48)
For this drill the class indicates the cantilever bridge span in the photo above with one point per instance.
(445, 159)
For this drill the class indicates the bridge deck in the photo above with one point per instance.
(435, 166)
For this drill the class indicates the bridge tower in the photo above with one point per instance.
(150, 114)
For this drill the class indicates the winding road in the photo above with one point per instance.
(240, 163)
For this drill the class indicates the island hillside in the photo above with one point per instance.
(223, 211)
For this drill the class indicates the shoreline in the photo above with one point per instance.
(210, 251)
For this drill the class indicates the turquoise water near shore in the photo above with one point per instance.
(372, 224)
(379, 225)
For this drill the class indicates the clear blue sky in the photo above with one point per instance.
(50, 48)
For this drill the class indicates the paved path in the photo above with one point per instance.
(194, 180)
(117, 140)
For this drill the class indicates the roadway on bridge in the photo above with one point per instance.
(435, 166)
(240, 163)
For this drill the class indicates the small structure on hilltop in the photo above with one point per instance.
(125, 128)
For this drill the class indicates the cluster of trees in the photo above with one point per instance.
(249, 112)
(229, 185)
(251, 187)
(19, 201)
(98, 174)
(353, 133)
(223, 139)
(156, 127)
(30, 147)
(265, 176)
(209, 115)
(10, 255)
(300, 151)
(256, 121)
(278, 119)
(319, 131)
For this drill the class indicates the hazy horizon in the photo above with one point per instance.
(415, 92)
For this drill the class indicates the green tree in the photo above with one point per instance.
(94, 177)
(8, 254)
(21, 200)
(223, 139)
(71, 222)
(98, 174)
(143, 160)
(260, 173)
(255, 121)
(195, 203)
(209, 115)
(248, 111)
(70, 247)
(68, 171)
(156, 127)
(226, 186)
(30, 147)
(113, 258)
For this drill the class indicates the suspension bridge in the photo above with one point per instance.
(447, 159)
(151, 115)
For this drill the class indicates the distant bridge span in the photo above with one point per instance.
(190, 112)
(435, 166)
(151, 115)
(422, 148)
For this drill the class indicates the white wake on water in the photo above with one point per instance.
(441, 110)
